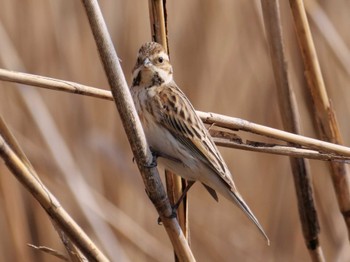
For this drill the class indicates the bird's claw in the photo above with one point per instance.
(172, 215)
(155, 155)
(153, 163)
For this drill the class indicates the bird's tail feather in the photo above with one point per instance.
(250, 214)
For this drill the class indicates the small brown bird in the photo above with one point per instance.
(175, 132)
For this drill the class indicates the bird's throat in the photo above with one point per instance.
(147, 79)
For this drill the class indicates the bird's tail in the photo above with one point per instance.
(240, 202)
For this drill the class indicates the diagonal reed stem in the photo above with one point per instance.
(133, 129)
(72, 250)
(30, 181)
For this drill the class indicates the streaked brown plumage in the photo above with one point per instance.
(174, 130)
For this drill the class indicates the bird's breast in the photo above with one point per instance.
(159, 138)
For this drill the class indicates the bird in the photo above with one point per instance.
(174, 131)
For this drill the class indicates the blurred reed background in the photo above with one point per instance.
(221, 61)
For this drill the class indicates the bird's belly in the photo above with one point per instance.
(174, 155)
(181, 169)
(160, 140)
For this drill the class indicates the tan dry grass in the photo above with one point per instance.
(222, 63)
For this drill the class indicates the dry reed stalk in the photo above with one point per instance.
(174, 183)
(150, 249)
(11, 140)
(236, 124)
(30, 181)
(157, 14)
(291, 122)
(73, 252)
(276, 149)
(134, 131)
(323, 111)
(60, 151)
(54, 84)
(335, 42)
(331, 151)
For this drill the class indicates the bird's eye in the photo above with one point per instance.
(160, 59)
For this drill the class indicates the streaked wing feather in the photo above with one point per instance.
(180, 118)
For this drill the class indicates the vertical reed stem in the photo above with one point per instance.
(323, 111)
(291, 122)
(174, 183)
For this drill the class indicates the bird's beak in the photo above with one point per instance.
(147, 62)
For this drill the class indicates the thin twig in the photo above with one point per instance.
(323, 111)
(133, 129)
(291, 122)
(50, 251)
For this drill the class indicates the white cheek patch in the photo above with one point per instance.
(165, 75)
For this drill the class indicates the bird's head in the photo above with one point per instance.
(152, 66)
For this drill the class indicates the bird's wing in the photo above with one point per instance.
(179, 117)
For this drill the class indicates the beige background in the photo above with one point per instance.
(221, 62)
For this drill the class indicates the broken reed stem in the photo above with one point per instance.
(278, 149)
(237, 124)
(231, 123)
(30, 181)
(157, 14)
(291, 122)
(134, 131)
(323, 111)
(175, 184)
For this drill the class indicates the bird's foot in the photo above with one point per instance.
(155, 155)
(172, 215)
